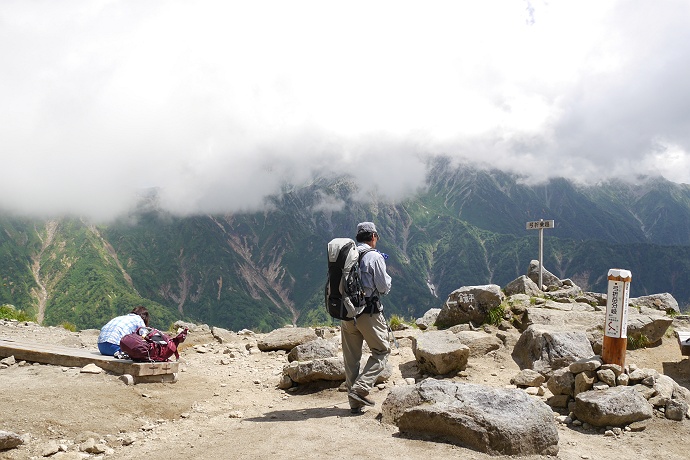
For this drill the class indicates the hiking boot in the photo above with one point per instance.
(357, 410)
(361, 398)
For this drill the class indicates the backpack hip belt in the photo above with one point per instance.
(373, 304)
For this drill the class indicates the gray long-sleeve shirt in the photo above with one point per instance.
(373, 269)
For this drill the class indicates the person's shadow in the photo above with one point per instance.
(298, 415)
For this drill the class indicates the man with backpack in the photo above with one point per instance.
(370, 325)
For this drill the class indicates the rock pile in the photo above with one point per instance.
(607, 395)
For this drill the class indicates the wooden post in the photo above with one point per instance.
(615, 341)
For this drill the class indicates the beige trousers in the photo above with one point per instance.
(373, 330)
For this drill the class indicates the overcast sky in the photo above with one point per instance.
(220, 103)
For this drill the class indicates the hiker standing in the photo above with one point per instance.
(120, 326)
(370, 326)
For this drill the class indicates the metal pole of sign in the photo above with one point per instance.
(541, 256)
(540, 225)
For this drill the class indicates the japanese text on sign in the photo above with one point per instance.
(538, 224)
(616, 309)
(466, 297)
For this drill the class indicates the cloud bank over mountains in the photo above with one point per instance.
(218, 104)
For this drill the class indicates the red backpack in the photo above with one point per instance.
(148, 344)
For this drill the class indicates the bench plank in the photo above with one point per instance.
(79, 357)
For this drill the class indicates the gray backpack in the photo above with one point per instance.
(344, 294)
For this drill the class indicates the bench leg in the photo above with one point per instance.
(164, 378)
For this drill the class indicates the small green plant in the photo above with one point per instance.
(68, 326)
(495, 315)
(635, 343)
(532, 300)
(396, 323)
(10, 312)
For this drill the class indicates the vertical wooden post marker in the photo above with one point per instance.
(615, 341)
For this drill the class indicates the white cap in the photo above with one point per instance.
(619, 273)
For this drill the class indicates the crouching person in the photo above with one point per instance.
(120, 326)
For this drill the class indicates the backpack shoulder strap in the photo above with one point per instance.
(361, 253)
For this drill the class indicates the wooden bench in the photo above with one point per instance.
(684, 342)
(79, 357)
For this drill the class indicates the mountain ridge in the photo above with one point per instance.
(265, 269)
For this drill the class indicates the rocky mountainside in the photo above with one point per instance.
(266, 269)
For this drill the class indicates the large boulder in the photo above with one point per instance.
(315, 370)
(440, 352)
(523, 285)
(548, 279)
(479, 342)
(286, 338)
(198, 334)
(663, 302)
(428, 319)
(567, 291)
(555, 314)
(233, 340)
(224, 335)
(546, 349)
(469, 304)
(315, 349)
(597, 299)
(493, 420)
(647, 329)
(561, 316)
(615, 406)
(303, 371)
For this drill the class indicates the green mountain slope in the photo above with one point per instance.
(64, 271)
(653, 210)
(225, 270)
(18, 242)
(264, 270)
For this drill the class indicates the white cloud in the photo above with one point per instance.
(220, 103)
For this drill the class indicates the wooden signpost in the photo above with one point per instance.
(615, 341)
(540, 225)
